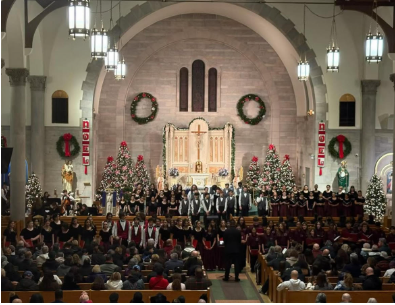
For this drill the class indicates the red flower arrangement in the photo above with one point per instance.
(254, 159)
(140, 158)
(110, 159)
(123, 144)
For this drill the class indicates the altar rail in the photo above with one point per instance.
(102, 296)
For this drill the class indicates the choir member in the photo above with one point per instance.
(164, 233)
(302, 202)
(282, 191)
(209, 257)
(195, 207)
(132, 205)
(377, 233)
(173, 207)
(9, 235)
(179, 193)
(47, 236)
(283, 204)
(245, 202)
(36, 224)
(184, 207)
(358, 204)
(137, 233)
(292, 207)
(243, 249)
(151, 233)
(192, 192)
(230, 205)
(319, 231)
(364, 234)
(121, 229)
(121, 206)
(64, 235)
(345, 234)
(347, 206)
(320, 205)
(30, 235)
(341, 193)
(220, 206)
(305, 192)
(220, 248)
(153, 192)
(391, 235)
(75, 229)
(262, 203)
(333, 204)
(295, 192)
(105, 236)
(140, 204)
(239, 190)
(88, 233)
(298, 235)
(56, 224)
(242, 224)
(152, 208)
(254, 248)
(274, 203)
(198, 234)
(226, 190)
(352, 193)
(282, 236)
(327, 193)
(310, 204)
(268, 239)
(178, 233)
(207, 206)
(186, 229)
(332, 232)
(316, 192)
(109, 221)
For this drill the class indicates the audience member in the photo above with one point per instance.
(137, 298)
(372, 282)
(158, 282)
(346, 298)
(27, 283)
(114, 297)
(197, 281)
(294, 284)
(58, 296)
(321, 298)
(115, 282)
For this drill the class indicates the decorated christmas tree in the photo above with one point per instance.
(33, 189)
(141, 173)
(287, 177)
(108, 177)
(124, 173)
(375, 199)
(271, 168)
(253, 173)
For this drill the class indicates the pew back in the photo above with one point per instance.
(360, 296)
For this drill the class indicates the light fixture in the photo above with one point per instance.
(120, 69)
(303, 66)
(374, 43)
(332, 52)
(99, 40)
(310, 112)
(111, 60)
(79, 18)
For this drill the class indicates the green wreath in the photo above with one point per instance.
(73, 143)
(154, 108)
(335, 153)
(262, 109)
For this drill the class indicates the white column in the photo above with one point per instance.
(18, 141)
(37, 88)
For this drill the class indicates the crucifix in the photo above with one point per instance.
(198, 133)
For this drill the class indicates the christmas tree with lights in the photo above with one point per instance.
(287, 177)
(108, 177)
(253, 173)
(271, 168)
(33, 189)
(375, 199)
(124, 173)
(141, 174)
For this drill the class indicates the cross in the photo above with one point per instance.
(198, 133)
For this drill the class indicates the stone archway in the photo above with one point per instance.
(251, 15)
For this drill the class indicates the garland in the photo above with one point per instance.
(154, 108)
(340, 140)
(262, 109)
(72, 142)
(3, 141)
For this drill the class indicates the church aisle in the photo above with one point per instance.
(230, 292)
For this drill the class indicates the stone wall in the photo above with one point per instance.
(246, 63)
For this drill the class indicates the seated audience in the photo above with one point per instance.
(294, 284)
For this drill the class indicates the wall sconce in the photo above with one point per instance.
(310, 112)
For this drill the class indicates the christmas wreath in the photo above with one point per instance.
(68, 140)
(154, 108)
(342, 141)
(262, 109)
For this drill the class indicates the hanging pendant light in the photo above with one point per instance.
(333, 52)
(374, 43)
(111, 60)
(120, 69)
(303, 65)
(79, 18)
(99, 40)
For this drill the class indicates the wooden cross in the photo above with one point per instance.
(198, 133)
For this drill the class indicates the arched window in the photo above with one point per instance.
(347, 110)
(198, 71)
(183, 89)
(60, 107)
(212, 90)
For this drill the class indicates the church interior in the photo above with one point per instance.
(138, 135)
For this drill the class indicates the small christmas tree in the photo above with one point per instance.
(253, 173)
(108, 177)
(33, 189)
(375, 199)
(271, 168)
(124, 172)
(141, 173)
(287, 177)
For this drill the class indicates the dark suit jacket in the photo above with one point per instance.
(232, 241)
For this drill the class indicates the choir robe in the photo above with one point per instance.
(358, 209)
(331, 235)
(282, 239)
(346, 208)
(299, 236)
(274, 205)
(292, 208)
(332, 210)
(283, 207)
(320, 207)
(310, 209)
(302, 207)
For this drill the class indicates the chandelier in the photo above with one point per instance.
(332, 52)
(111, 60)
(99, 40)
(79, 18)
(374, 43)
(303, 65)
(120, 69)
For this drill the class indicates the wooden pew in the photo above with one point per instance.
(332, 296)
(70, 296)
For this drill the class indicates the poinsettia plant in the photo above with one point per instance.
(223, 172)
(173, 172)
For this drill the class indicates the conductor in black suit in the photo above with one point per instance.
(232, 243)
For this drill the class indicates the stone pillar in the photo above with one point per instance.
(18, 141)
(392, 78)
(369, 90)
(37, 88)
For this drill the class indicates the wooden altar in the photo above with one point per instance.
(198, 152)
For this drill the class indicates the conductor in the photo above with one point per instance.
(232, 243)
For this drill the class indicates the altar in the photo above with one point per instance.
(198, 153)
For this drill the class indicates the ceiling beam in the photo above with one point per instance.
(6, 6)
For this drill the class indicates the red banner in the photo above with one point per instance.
(85, 144)
(67, 138)
(321, 146)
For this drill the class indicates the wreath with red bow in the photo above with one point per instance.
(67, 141)
(262, 109)
(344, 145)
(154, 108)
